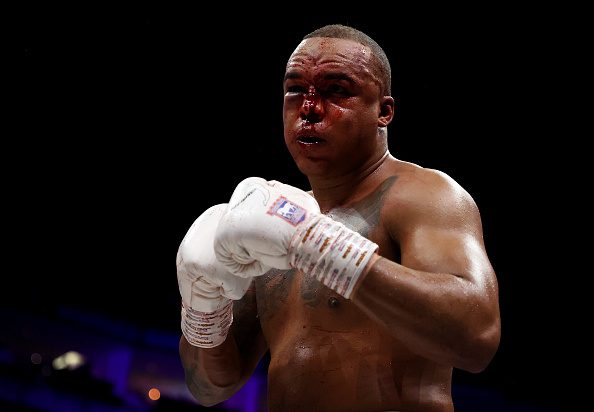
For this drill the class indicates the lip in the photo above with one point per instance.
(309, 139)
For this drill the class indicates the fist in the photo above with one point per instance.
(205, 284)
(256, 230)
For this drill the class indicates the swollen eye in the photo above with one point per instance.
(296, 89)
(335, 89)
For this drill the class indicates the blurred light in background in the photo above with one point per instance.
(76, 360)
(36, 358)
(154, 394)
(70, 360)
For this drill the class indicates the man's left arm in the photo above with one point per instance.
(442, 300)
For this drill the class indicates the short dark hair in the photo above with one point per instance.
(382, 64)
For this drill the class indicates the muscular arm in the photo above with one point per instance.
(442, 301)
(215, 374)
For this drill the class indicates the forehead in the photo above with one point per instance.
(332, 54)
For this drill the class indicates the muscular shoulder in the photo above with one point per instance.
(423, 195)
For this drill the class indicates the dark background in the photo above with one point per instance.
(129, 122)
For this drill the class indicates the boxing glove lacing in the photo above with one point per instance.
(206, 329)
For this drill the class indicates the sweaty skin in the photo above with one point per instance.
(328, 356)
(428, 301)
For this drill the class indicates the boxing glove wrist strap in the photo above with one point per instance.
(206, 329)
(331, 252)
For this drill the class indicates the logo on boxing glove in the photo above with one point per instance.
(287, 210)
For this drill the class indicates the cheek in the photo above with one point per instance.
(352, 111)
(364, 121)
(292, 104)
(347, 121)
(337, 113)
(290, 115)
(287, 141)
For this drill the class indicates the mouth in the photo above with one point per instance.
(310, 140)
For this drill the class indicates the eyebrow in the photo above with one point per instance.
(328, 76)
(339, 76)
(292, 75)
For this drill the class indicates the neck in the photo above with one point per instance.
(337, 190)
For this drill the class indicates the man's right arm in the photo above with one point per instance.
(221, 341)
(215, 374)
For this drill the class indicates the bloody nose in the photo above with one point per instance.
(312, 108)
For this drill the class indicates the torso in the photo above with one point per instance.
(326, 354)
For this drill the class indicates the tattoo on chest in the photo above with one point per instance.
(311, 291)
(273, 288)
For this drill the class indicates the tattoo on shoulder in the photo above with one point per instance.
(364, 215)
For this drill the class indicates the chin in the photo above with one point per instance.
(312, 168)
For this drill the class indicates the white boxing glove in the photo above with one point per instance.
(206, 287)
(269, 224)
(257, 228)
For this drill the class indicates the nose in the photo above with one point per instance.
(312, 108)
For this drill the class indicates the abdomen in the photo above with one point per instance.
(325, 354)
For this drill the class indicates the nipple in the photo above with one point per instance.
(333, 302)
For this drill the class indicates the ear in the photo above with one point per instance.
(386, 113)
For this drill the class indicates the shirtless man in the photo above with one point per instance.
(367, 290)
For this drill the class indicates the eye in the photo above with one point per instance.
(294, 88)
(335, 88)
